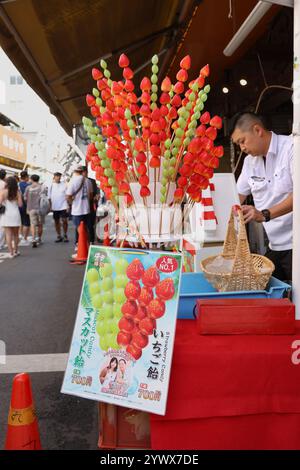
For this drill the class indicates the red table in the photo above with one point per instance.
(230, 392)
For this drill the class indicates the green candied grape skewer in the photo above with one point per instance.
(154, 80)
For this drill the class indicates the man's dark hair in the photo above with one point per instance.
(23, 174)
(246, 120)
(2, 174)
(35, 178)
(122, 360)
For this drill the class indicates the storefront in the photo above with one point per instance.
(13, 150)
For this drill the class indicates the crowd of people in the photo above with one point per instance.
(24, 203)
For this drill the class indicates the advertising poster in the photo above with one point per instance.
(123, 338)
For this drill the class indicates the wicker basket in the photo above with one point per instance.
(249, 271)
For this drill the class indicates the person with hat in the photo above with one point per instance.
(59, 206)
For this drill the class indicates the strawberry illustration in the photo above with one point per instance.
(145, 296)
(134, 351)
(156, 309)
(129, 309)
(132, 290)
(126, 325)
(147, 325)
(139, 340)
(123, 338)
(140, 315)
(165, 289)
(135, 269)
(150, 277)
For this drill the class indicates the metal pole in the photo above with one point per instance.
(296, 133)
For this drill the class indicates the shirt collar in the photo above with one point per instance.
(273, 144)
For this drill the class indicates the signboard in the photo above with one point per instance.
(123, 338)
(12, 145)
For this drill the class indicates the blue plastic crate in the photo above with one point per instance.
(195, 286)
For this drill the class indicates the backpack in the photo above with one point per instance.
(44, 204)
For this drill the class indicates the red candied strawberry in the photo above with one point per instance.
(147, 325)
(216, 122)
(139, 340)
(129, 309)
(135, 269)
(132, 290)
(150, 277)
(205, 118)
(145, 191)
(123, 61)
(166, 84)
(90, 100)
(211, 133)
(186, 62)
(125, 324)
(156, 309)
(96, 74)
(178, 194)
(145, 84)
(123, 338)
(218, 151)
(200, 131)
(178, 89)
(145, 296)
(127, 73)
(134, 351)
(182, 75)
(205, 71)
(165, 289)
(140, 315)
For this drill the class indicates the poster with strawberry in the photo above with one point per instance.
(123, 338)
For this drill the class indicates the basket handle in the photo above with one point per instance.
(242, 256)
(230, 242)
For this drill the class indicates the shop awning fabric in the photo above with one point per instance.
(55, 43)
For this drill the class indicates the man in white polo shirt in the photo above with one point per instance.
(59, 205)
(267, 174)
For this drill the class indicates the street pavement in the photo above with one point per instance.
(39, 295)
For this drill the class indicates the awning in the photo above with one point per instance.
(54, 44)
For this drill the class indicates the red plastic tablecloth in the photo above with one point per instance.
(230, 392)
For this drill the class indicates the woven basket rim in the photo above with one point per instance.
(266, 261)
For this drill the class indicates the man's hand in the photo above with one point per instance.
(250, 213)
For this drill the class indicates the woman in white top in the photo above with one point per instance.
(11, 198)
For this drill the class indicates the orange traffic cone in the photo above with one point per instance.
(22, 430)
(83, 245)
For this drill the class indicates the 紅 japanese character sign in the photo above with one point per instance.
(123, 338)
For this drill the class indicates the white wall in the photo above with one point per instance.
(47, 141)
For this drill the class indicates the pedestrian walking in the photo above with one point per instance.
(59, 207)
(11, 199)
(79, 193)
(2, 231)
(94, 197)
(32, 197)
(25, 220)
